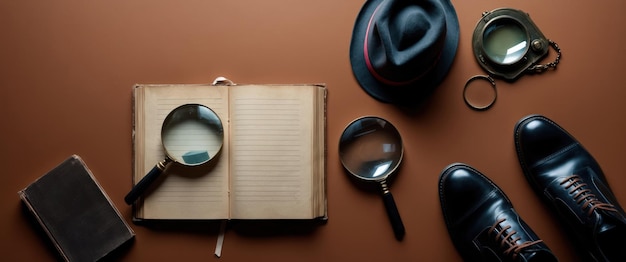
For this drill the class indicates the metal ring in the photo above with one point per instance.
(493, 85)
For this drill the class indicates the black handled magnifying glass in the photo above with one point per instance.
(370, 149)
(192, 135)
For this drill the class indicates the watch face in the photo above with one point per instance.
(505, 41)
(502, 43)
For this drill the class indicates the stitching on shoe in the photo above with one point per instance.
(556, 154)
(472, 211)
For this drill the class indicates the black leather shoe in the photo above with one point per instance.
(571, 183)
(482, 222)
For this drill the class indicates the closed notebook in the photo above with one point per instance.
(76, 213)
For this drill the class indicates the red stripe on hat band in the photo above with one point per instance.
(371, 69)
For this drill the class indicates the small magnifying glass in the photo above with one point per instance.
(507, 43)
(370, 149)
(192, 135)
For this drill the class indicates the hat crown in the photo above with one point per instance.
(401, 50)
(405, 40)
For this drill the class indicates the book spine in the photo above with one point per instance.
(34, 213)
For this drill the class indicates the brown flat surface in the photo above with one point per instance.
(67, 68)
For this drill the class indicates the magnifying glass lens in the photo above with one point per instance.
(370, 148)
(192, 135)
(505, 41)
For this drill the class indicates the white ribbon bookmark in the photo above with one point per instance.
(220, 239)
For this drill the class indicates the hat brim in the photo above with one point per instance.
(416, 92)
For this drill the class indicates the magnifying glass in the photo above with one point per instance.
(370, 149)
(192, 135)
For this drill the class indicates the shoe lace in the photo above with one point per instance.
(584, 195)
(507, 239)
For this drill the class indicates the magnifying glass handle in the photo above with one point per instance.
(145, 182)
(394, 215)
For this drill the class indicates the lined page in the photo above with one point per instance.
(185, 193)
(271, 152)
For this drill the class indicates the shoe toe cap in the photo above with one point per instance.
(462, 189)
(537, 137)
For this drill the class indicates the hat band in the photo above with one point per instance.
(371, 69)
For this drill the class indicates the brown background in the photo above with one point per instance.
(67, 68)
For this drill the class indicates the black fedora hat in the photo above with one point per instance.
(402, 49)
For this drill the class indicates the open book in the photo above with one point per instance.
(271, 165)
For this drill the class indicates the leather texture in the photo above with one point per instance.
(482, 222)
(569, 180)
